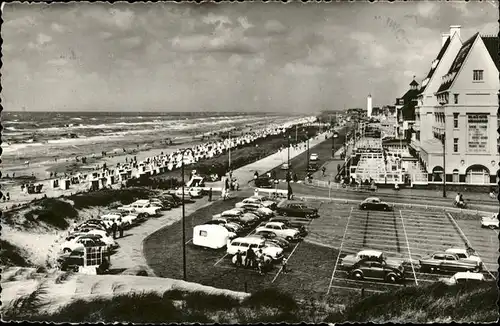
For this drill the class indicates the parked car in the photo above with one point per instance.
(191, 192)
(382, 270)
(264, 182)
(142, 206)
(160, 203)
(256, 200)
(313, 167)
(272, 237)
(297, 209)
(291, 225)
(349, 261)
(109, 219)
(285, 166)
(70, 261)
(447, 262)
(464, 255)
(255, 244)
(73, 242)
(464, 278)
(374, 203)
(313, 157)
(173, 201)
(490, 221)
(280, 229)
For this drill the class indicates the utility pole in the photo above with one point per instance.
(183, 224)
(295, 134)
(229, 150)
(288, 177)
(444, 164)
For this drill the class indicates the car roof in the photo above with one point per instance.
(141, 201)
(370, 252)
(373, 198)
(469, 275)
(249, 240)
(456, 251)
(275, 223)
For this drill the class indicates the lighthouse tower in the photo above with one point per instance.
(369, 105)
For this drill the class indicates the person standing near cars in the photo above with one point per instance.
(250, 257)
(238, 259)
(210, 194)
(113, 228)
(120, 228)
(283, 263)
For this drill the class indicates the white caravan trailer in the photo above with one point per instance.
(211, 236)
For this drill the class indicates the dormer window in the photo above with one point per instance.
(477, 75)
(434, 64)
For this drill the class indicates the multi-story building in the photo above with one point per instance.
(466, 119)
(456, 116)
(405, 107)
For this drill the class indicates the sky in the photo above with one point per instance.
(248, 57)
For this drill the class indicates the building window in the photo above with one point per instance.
(455, 176)
(477, 133)
(455, 120)
(477, 75)
(455, 98)
(455, 145)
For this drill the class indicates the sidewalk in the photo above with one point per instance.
(245, 173)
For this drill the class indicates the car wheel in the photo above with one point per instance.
(391, 278)
(357, 275)
(67, 250)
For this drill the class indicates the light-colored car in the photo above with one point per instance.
(232, 213)
(313, 157)
(463, 254)
(159, 203)
(255, 244)
(280, 229)
(191, 192)
(142, 206)
(490, 221)
(284, 166)
(109, 219)
(256, 200)
(464, 277)
(78, 241)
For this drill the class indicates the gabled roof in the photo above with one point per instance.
(413, 83)
(433, 68)
(491, 43)
(457, 63)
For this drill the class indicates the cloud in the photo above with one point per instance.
(57, 27)
(298, 68)
(321, 55)
(43, 38)
(121, 19)
(275, 27)
(58, 62)
(131, 42)
(427, 9)
(105, 35)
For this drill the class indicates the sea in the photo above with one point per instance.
(44, 136)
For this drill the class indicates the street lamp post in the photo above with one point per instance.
(335, 135)
(442, 103)
(288, 170)
(183, 224)
(229, 150)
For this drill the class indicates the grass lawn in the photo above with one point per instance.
(299, 163)
(240, 156)
(310, 265)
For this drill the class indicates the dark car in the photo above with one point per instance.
(381, 270)
(313, 167)
(272, 237)
(171, 200)
(448, 262)
(374, 203)
(71, 261)
(263, 182)
(187, 200)
(297, 210)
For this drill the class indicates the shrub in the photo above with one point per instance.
(53, 212)
(105, 197)
(272, 298)
(11, 255)
(202, 301)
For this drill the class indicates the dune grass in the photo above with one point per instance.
(106, 197)
(11, 255)
(436, 302)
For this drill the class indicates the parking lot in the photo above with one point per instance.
(404, 235)
(313, 268)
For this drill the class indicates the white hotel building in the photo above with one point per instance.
(458, 103)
